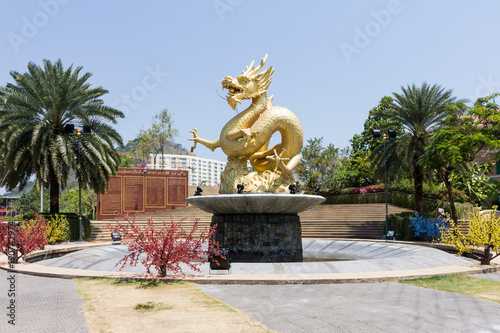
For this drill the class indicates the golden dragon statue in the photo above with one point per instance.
(246, 137)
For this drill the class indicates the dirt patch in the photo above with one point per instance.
(123, 306)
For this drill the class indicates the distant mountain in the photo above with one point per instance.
(16, 193)
(72, 182)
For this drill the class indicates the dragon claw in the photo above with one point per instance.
(248, 137)
(195, 138)
(195, 134)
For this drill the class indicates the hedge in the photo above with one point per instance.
(356, 198)
(402, 199)
(407, 200)
(401, 225)
(74, 225)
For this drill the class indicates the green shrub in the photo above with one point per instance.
(407, 200)
(398, 198)
(401, 225)
(73, 221)
(356, 198)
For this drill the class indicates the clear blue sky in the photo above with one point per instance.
(334, 60)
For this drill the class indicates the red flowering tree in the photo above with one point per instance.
(165, 247)
(26, 237)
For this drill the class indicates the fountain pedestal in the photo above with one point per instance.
(258, 227)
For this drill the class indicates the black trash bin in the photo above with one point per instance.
(220, 261)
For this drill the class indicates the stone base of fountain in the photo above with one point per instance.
(258, 227)
(260, 237)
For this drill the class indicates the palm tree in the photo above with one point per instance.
(420, 110)
(33, 114)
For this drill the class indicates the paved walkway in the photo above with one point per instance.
(374, 262)
(41, 304)
(381, 307)
(52, 304)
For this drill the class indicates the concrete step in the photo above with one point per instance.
(323, 221)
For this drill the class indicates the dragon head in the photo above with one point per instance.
(249, 84)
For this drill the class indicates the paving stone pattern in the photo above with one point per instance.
(370, 257)
(489, 276)
(382, 307)
(42, 305)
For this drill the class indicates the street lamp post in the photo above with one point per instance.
(390, 134)
(87, 129)
(78, 135)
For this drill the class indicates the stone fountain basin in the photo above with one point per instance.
(256, 203)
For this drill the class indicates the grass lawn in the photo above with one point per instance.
(145, 306)
(460, 284)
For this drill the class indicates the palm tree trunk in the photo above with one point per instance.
(418, 180)
(54, 190)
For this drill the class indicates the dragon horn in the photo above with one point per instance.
(262, 62)
(249, 68)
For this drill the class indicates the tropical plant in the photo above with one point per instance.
(33, 114)
(474, 182)
(464, 133)
(420, 110)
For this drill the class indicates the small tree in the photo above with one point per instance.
(70, 201)
(483, 231)
(162, 131)
(318, 165)
(30, 201)
(25, 238)
(465, 132)
(166, 247)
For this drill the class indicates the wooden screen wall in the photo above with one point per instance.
(143, 191)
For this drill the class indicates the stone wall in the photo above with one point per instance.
(260, 237)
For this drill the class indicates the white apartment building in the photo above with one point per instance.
(202, 171)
